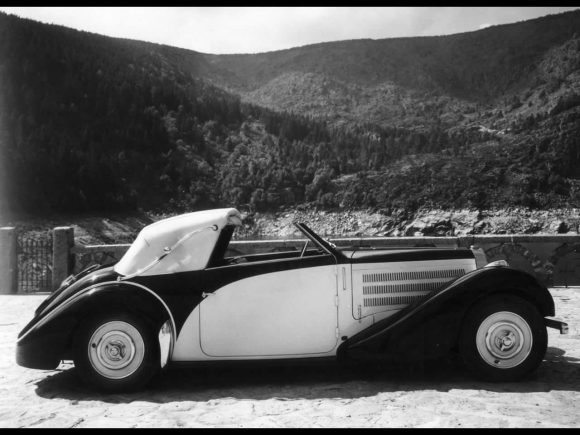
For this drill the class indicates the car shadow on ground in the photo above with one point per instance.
(315, 381)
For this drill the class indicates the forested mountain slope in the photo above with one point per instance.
(481, 119)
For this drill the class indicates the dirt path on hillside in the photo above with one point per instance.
(328, 396)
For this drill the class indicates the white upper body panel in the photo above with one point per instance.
(188, 240)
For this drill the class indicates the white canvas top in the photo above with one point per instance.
(197, 234)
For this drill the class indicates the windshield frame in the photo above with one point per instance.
(319, 241)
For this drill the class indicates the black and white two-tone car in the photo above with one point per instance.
(177, 296)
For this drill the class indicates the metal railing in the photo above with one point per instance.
(34, 263)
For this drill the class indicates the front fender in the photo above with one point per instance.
(430, 327)
(48, 338)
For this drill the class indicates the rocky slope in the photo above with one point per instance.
(115, 229)
(423, 223)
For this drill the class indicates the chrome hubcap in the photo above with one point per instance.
(116, 350)
(504, 340)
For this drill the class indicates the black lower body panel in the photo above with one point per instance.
(32, 356)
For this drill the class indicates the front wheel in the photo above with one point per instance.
(117, 352)
(503, 339)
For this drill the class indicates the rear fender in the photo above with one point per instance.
(62, 323)
(430, 328)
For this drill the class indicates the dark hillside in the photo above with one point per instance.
(481, 119)
(479, 65)
(88, 120)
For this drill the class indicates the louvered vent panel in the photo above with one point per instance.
(405, 276)
(395, 300)
(398, 289)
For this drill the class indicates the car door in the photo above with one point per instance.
(280, 308)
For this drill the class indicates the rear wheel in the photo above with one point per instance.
(116, 352)
(503, 339)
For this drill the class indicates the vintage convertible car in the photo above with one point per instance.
(176, 296)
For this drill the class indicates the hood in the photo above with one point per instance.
(410, 254)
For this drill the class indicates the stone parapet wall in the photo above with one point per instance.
(553, 259)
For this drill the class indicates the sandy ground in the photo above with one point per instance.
(438, 395)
